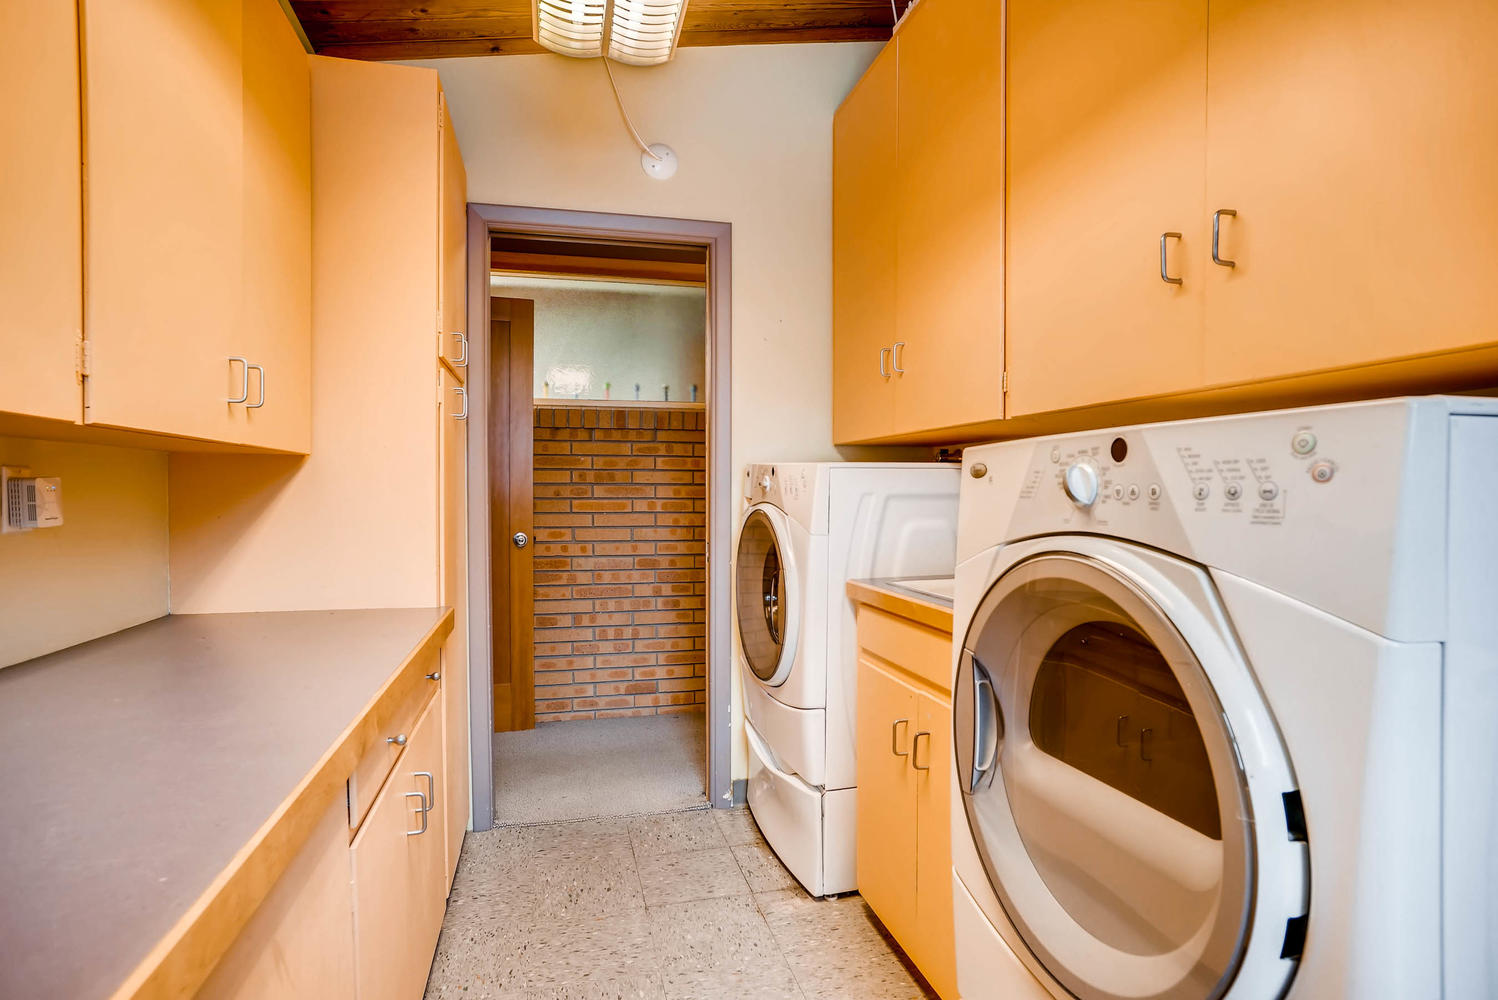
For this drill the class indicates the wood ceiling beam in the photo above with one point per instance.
(382, 29)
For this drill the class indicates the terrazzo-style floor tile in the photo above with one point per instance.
(738, 826)
(837, 950)
(762, 869)
(589, 885)
(722, 935)
(687, 875)
(772, 984)
(671, 832)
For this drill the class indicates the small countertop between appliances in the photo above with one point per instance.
(163, 776)
(896, 596)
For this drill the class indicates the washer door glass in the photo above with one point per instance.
(1102, 786)
(760, 592)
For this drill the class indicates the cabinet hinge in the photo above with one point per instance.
(85, 358)
(1004, 382)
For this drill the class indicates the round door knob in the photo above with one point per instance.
(1082, 483)
(521, 539)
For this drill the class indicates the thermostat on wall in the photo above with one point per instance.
(30, 501)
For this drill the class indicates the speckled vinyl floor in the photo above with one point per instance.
(678, 906)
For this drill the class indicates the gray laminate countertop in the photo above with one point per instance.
(139, 764)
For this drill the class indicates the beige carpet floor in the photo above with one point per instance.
(595, 768)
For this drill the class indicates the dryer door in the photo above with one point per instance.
(766, 595)
(1102, 786)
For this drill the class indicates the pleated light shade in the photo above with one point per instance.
(637, 32)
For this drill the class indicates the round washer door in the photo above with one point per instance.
(1102, 785)
(766, 595)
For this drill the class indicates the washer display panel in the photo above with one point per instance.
(762, 592)
(1102, 786)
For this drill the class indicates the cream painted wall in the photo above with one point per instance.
(104, 569)
(752, 126)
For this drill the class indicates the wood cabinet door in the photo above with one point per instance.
(949, 244)
(863, 255)
(41, 211)
(886, 824)
(452, 259)
(1358, 142)
(1105, 116)
(453, 575)
(164, 233)
(399, 885)
(933, 949)
(275, 320)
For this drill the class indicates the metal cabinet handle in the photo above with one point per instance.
(1217, 257)
(462, 394)
(1145, 741)
(883, 358)
(895, 360)
(244, 381)
(1118, 731)
(462, 359)
(435, 675)
(431, 788)
(261, 401)
(423, 808)
(1165, 258)
(915, 751)
(399, 741)
(894, 738)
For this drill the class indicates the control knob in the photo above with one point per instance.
(765, 482)
(1082, 483)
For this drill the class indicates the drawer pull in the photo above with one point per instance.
(894, 737)
(423, 810)
(915, 751)
(399, 741)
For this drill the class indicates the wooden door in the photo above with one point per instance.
(1358, 142)
(275, 312)
(886, 823)
(399, 885)
(452, 260)
(863, 256)
(933, 949)
(511, 475)
(949, 225)
(164, 112)
(41, 211)
(453, 575)
(1106, 108)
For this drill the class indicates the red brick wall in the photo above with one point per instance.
(620, 572)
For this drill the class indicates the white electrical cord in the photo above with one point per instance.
(644, 148)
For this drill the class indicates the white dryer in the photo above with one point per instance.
(1224, 709)
(807, 530)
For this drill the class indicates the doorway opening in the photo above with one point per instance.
(605, 443)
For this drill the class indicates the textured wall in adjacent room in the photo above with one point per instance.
(620, 571)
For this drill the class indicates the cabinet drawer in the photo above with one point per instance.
(920, 650)
(374, 767)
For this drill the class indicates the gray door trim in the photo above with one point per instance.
(717, 238)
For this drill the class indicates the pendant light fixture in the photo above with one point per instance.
(636, 32)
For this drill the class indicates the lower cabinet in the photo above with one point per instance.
(398, 868)
(904, 788)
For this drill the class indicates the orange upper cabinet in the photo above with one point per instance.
(1357, 141)
(1106, 235)
(863, 256)
(949, 225)
(452, 263)
(41, 256)
(197, 222)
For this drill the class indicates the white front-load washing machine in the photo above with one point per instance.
(807, 529)
(1224, 709)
